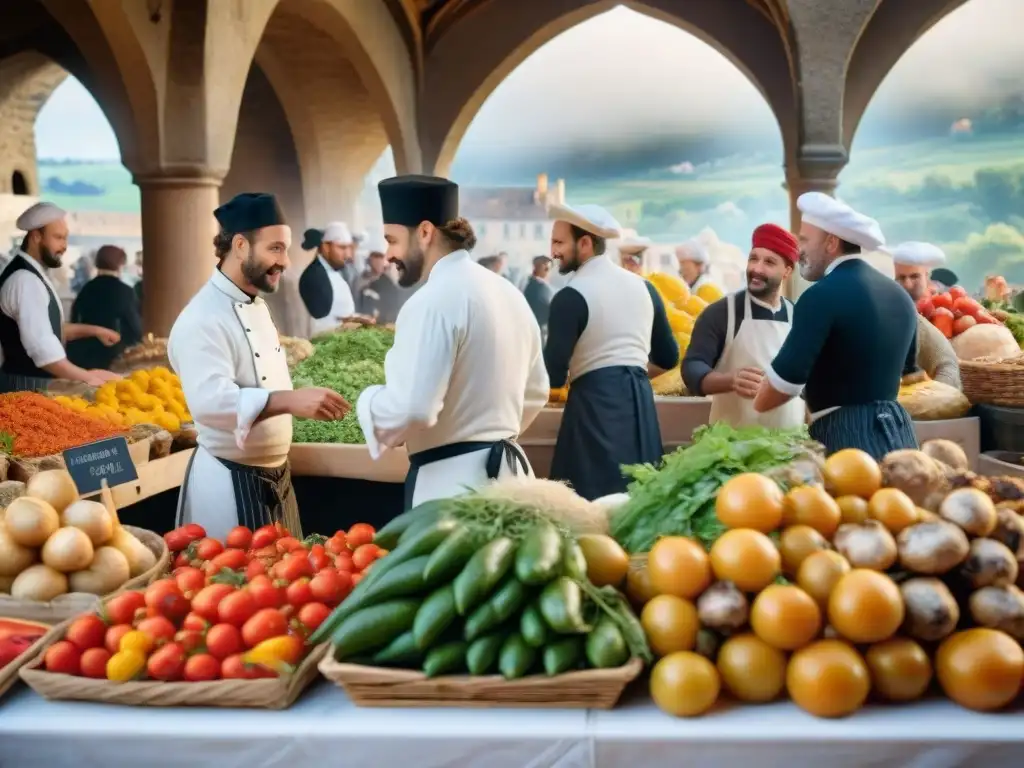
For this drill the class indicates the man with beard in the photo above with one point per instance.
(736, 338)
(607, 334)
(379, 296)
(854, 336)
(324, 290)
(465, 376)
(935, 355)
(631, 254)
(225, 348)
(32, 327)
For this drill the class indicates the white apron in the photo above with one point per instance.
(754, 345)
(208, 494)
(452, 470)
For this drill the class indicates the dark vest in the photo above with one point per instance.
(16, 359)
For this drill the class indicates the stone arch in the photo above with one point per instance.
(892, 30)
(26, 81)
(502, 35)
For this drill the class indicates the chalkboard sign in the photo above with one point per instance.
(108, 460)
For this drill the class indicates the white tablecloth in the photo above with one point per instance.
(324, 726)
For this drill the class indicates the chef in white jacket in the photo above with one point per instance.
(226, 350)
(466, 374)
(324, 291)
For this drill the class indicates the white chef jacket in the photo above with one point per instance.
(25, 300)
(226, 350)
(344, 305)
(466, 366)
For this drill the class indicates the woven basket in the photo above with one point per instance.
(270, 693)
(994, 382)
(76, 603)
(379, 687)
(9, 674)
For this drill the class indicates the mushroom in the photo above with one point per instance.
(989, 564)
(915, 473)
(723, 607)
(931, 611)
(947, 452)
(971, 509)
(866, 545)
(999, 608)
(932, 548)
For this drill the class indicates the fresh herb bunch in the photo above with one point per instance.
(678, 498)
(347, 362)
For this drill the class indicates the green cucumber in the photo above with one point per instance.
(482, 654)
(400, 652)
(509, 598)
(403, 580)
(434, 616)
(373, 627)
(533, 628)
(539, 557)
(606, 647)
(451, 556)
(574, 563)
(445, 659)
(482, 573)
(516, 657)
(563, 655)
(561, 605)
(480, 622)
(427, 512)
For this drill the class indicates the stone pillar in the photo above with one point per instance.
(820, 177)
(177, 243)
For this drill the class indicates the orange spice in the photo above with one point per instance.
(41, 427)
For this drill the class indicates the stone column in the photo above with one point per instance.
(821, 177)
(177, 243)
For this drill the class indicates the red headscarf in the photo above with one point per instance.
(777, 240)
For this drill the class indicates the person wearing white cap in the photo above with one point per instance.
(323, 288)
(608, 332)
(631, 253)
(694, 263)
(854, 336)
(32, 327)
(935, 355)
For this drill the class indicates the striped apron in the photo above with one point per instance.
(876, 428)
(14, 382)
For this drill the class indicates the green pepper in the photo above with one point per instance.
(400, 652)
(606, 647)
(561, 605)
(482, 573)
(482, 654)
(435, 616)
(563, 655)
(532, 627)
(373, 627)
(539, 557)
(516, 657)
(451, 556)
(574, 563)
(445, 659)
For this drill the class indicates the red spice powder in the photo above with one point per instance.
(41, 427)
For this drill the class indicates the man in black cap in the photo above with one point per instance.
(226, 349)
(466, 373)
(324, 291)
(538, 292)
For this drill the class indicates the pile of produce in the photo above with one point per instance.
(974, 331)
(484, 586)
(682, 308)
(241, 611)
(52, 543)
(147, 396)
(678, 497)
(347, 362)
(886, 579)
(16, 637)
(1009, 314)
(928, 400)
(32, 425)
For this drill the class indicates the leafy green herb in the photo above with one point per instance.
(7, 443)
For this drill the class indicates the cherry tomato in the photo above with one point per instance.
(201, 668)
(194, 622)
(112, 641)
(206, 602)
(264, 624)
(343, 562)
(207, 549)
(294, 566)
(288, 544)
(87, 632)
(94, 663)
(63, 658)
(238, 537)
(223, 640)
(957, 292)
(234, 668)
(266, 553)
(167, 663)
(181, 560)
(189, 579)
(360, 534)
(364, 555)
(165, 598)
(177, 540)
(327, 587)
(159, 628)
(265, 593)
(299, 593)
(255, 568)
(232, 559)
(318, 557)
(190, 639)
(312, 615)
(337, 544)
(264, 537)
(236, 608)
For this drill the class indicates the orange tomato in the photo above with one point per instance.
(751, 669)
(866, 606)
(980, 668)
(747, 558)
(900, 669)
(893, 509)
(811, 505)
(671, 624)
(785, 617)
(852, 472)
(685, 684)
(819, 573)
(853, 509)
(750, 500)
(678, 566)
(639, 589)
(796, 544)
(828, 679)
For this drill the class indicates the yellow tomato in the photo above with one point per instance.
(671, 624)
(125, 665)
(751, 669)
(136, 641)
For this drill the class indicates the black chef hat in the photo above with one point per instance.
(248, 212)
(411, 200)
(312, 238)
(945, 276)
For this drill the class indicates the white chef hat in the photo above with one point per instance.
(590, 218)
(916, 254)
(38, 216)
(693, 250)
(338, 232)
(837, 218)
(633, 245)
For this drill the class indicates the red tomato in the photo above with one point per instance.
(94, 663)
(364, 555)
(112, 641)
(181, 560)
(294, 566)
(165, 598)
(236, 608)
(343, 562)
(87, 632)
(238, 537)
(167, 663)
(967, 306)
(177, 540)
(942, 301)
(312, 615)
(264, 537)
(190, 639)
(223, 640)
(925, 307)
(957, 292)
(194, 622)
(201, 668)
(63, 658)
(356, 578)
(318, 557)
(233, 668)
(288, 544)
(963, 323)
(159, 628)
(264, 624)
(360, 534)
(337, 544)
(232, 559)
(207, 601)
(327, 587)
(299, 593)
(195, 530)
(266, 553)
(265, 593)
(255, 568)
(189, 579)
(207, 549)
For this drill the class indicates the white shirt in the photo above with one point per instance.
(466, 365)
(343, 305)
(226, 350)
(26, 301)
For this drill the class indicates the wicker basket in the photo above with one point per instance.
(379, 687)
(994, 382)
(9, 674)
(270, 693)
(76, 603)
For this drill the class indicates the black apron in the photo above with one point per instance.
(609, 420)
(875, 428)
(18, 373)
(501, 451)
(263, 496)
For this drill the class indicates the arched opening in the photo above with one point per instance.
(19, 186)
(937, 156)
(604, 107)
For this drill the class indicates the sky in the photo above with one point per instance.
(625, 80)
